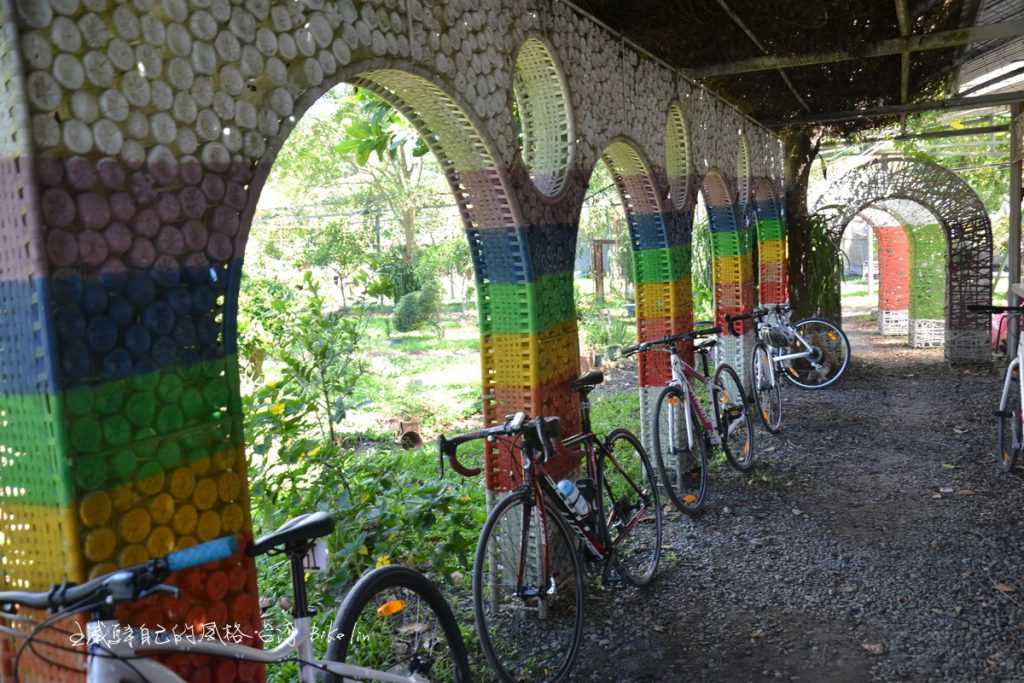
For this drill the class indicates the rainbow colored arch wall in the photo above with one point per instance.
(126, 196)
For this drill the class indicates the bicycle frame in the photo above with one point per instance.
(781, 321)
(682, 373)
(1013, 364)
(103, 665)
(544, 489)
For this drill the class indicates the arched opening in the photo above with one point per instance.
(660, 264)
(677, 159)
(911, 267)
(544, 118)
(744, 183)
(954, 205)
(356, 343)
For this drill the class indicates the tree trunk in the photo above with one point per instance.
(800, 151)
(409, 232)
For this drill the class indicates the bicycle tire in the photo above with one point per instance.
(501, 611)
(1008, 424)
(687, 487)
(801, 372)
(733, 418)
(767, 399)
(388, 591)
(627, 479)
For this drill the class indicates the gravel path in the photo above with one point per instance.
(876, 540)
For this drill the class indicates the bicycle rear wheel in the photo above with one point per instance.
(632, 508)
(1008, 423)
(830, 355)
(765, 387)
(734, 422)
(396, 620)
(684, 471)
(530, 620)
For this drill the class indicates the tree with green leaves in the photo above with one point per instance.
(364, 139)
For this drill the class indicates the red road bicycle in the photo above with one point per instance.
(530, 561)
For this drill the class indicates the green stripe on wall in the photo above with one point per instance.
(526, 308)
(665, 264)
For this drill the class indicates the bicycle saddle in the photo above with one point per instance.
(709, 344)
(588, 381)
(294, 533)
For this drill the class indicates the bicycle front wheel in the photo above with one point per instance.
(632, 508)
(683, 470)
(396, 620)
(765, 387)
(734, 423)
(1008, 422)
(528, 592)
(830, 355)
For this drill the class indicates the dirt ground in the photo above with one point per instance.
(875, 540)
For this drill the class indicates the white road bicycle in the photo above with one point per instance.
(1008, 414)
(393, 625)
(810, 353)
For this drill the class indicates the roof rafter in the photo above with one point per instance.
(760, 46)
(893, 46)
(903, 17)
(895, 110)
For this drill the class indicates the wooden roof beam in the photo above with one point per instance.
(979, 102)
(885, 48)
(903, 17)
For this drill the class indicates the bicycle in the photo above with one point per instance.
(811, 353)
(414, 634)
(765, 388)
(1008, 420)
(528, 572)
(683, 462)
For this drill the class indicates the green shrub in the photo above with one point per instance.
(418, 309)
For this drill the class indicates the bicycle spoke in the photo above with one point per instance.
(683, 469)
(633, 510)
(528, 618)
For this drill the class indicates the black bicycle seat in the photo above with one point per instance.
(705, 345)
(588, 381)
(294, 533)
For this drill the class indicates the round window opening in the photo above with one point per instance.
(677, 162)
(743, 173)
(542, 116)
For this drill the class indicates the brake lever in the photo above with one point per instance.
(173, 591)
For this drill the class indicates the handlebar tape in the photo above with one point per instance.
(204, 553)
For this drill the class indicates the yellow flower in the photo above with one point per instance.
(383, 560)
(956, 123)
(313, 452)
(277, 409)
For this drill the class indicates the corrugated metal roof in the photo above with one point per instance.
(986, 58)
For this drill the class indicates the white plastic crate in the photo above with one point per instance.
(968, 346)
(926, 334)
(893, 323)
(736, 352)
